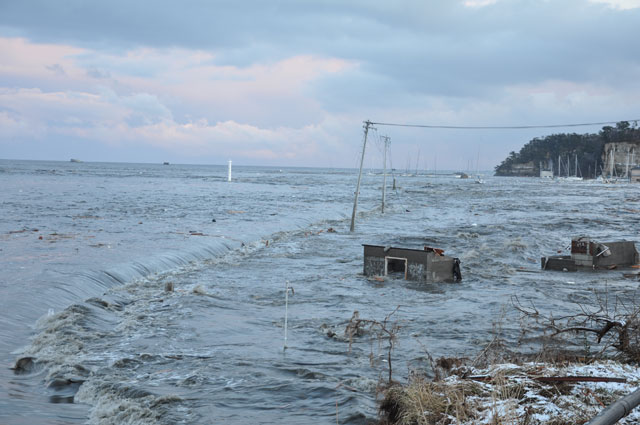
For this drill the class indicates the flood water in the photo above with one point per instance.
(87, 249)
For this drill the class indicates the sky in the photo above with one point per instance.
(290, 83)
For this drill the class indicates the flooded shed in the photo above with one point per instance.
(589, 254)
(422, 265)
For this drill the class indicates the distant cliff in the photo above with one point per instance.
(558, 153)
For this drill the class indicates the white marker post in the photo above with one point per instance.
(286, 312)
(229, 177)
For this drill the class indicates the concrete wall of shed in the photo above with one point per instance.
(622, 254)
(564, 262)
(416, 271)
(439, 269)
(373, 266)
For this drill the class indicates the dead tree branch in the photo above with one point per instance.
(616, 327)
(384, 330)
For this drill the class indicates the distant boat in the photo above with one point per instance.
(479, 179)
(568, 177)
(74, 160)
(165, 163)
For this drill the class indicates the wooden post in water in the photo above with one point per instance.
(384, 172)
(367, 124)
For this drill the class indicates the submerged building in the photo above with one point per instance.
(589, 254)
(422, 265)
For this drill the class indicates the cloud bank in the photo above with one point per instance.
(289, 83)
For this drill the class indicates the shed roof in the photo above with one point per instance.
(394, 247)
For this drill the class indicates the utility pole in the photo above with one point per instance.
(367, 124)
(384, 173)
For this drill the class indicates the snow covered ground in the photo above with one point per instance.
(516, 394)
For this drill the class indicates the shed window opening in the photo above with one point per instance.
(396, 266)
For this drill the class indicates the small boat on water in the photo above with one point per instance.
(74, 160)
(165, 163)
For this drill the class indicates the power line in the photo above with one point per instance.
(514, 127)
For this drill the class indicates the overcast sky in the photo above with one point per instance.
(289, 83)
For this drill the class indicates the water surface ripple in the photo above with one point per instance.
(88, 248)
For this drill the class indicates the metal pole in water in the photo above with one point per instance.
(384, 173)
(229, 176)
(286, 312)
(367, 124)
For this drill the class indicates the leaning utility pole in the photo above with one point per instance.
(384, 172)
(367, 124)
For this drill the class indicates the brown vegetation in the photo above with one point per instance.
(585, 362)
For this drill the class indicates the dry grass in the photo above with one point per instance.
(507, 394)
(424, 403)
(505, 389)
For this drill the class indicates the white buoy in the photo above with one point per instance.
(229, 177)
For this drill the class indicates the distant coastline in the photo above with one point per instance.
(586, 155)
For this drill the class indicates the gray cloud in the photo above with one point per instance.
(56, 68)
(429, 47)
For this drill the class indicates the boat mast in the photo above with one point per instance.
(613, 154)
(384, 170)
(611, 160)
(626, 171)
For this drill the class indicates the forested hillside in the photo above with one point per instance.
(589, 149)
